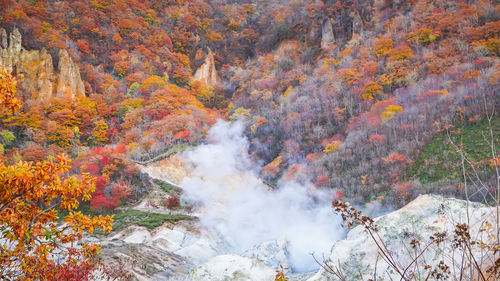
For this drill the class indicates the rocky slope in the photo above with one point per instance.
(419, 220)
(183, 251)
(359, 257)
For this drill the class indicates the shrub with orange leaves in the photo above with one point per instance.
(394, 157)
(8, 89)
(390, 111)
(423, 36)
(280, 274)
(99, 133)
(31, 196)
(383, 47)
(495, 162)
(332, 146)
(370, 90)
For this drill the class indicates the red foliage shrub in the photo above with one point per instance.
(339, 194)
(322, 180)
(84, 271)
(173, 202)
(373, 122)
(312, 156)
(104, 161)
(83, 46)
(270, 170)
(92, 169)
(394, 157)
(99, 201)
(182, 135)
(403, 186)
(378, 139)
(101, 182)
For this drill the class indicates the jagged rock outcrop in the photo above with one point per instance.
(69, 82)
(36, 72)
(420, 219)
(327, 37)
(207, 73)
(357, 23)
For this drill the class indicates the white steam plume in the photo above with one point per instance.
(235, 203)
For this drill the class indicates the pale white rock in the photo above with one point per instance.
(199, 251)
(272, 253)
(138, 237)
(169, 239)
(232, 267)
(421, 218)
(207, 74)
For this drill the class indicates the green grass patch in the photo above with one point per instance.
(124, 219)
(149, 220)
(165, 186)
(439, 160)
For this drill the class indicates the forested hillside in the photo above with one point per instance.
(343, 93)
(378, 101)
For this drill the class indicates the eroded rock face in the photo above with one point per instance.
(357, 23)
(164, 253)
(327, 37)
(207, 74)
(418, 220)
(36, 72)
(69, 82)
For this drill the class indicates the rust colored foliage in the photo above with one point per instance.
(31, 195)
(8, 89)
(173, 202)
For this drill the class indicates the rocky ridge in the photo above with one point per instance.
(35, 69)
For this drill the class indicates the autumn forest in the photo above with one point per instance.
(373, 102)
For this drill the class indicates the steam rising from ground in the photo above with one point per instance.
(234, 202)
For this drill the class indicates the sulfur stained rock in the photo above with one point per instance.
(69, 83)
(35, 70)
(207, 73)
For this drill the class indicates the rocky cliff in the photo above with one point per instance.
(35, 70)
(207, 73)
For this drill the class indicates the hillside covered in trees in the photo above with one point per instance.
(377, 101)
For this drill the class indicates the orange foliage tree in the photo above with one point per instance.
(30, 196)
(8, 88)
